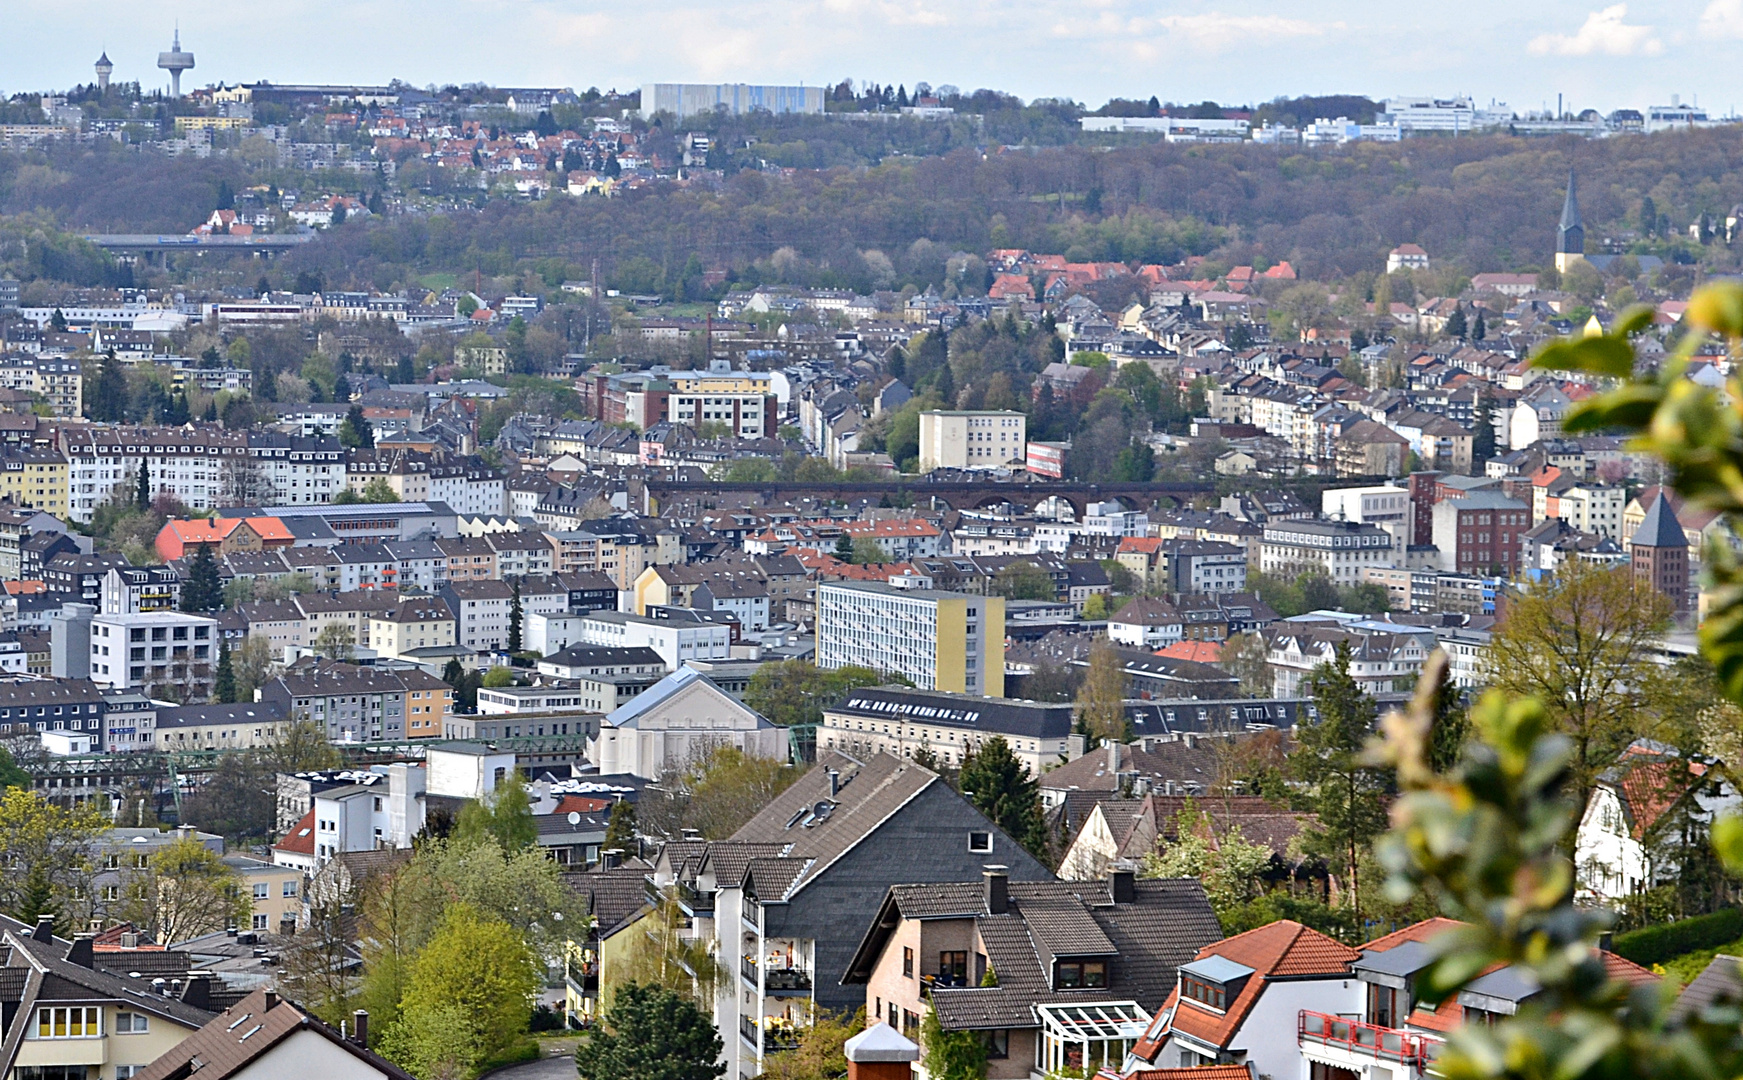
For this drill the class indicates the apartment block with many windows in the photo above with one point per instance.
(938, 640)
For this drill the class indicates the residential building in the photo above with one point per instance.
(1202, 566)
(967, 439)
(131, 589)
(676, 721)
(275, 893)
(204, 467)
(284, 1040)
(18, 525)
(359, 704)
(1342, 549)
(675, 640)
(1381, 662)
(167, 654)
(75, 577)
(417, 623)
(779, 895)
(1146, 622)
(938, 640)
(1480, 532)
(481, 612)
(1061, 952)
(251, 726)
(902, 722)
(1241, 1001)
(67, 1017)
(579, 661)
(34, 477)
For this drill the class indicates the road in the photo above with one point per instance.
(546, 1068)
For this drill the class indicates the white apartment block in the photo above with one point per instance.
(1369, 505)
(1595, 509)
(938, 640)
(165, 654)
(1343, 549)
(972, 439)
(294, 470)
(676, 641)
(205, 469)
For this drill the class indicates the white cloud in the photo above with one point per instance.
(1723, 18)
(1208, 32)
(1604, 33)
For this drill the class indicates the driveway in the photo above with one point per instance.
(546, 1068)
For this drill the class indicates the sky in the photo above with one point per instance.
(1606, 56)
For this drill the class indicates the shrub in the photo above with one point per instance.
(1656, 944)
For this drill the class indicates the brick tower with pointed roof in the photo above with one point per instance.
(1660, 554)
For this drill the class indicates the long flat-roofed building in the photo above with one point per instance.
(938, 640)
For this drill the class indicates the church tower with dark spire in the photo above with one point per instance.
(1570, 235)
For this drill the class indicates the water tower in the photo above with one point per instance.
(104, 70)
(175, 62)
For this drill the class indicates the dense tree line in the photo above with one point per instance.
(1487, 202)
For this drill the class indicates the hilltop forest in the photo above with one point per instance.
(1476, 203)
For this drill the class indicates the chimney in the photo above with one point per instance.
(998, 888)
(880, 1052)
(1122, 884)
(834, 783)
(81, 952)
(1606, 942)
(270, 1001)
(44, 928)
(198, 992)
(360, 1026)
(691, 834)
(611, 858)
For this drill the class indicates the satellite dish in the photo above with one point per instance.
(574, 817)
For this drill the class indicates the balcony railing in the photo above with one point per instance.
(942, 981)
(747, 1030)
(747, 967)
(776, 980)
(1369, 1040)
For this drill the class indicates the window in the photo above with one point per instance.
(907, 962)
(74, 1023)
(980, 842)
(290, 889)
(998, 1043)
(261, 890)
(953, 968)
(1202, 992)
(1080, 973)
(260, 922)
(131, 1023)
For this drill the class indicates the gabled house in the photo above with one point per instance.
(1240, 1000)
(266, 1035)
(1629, 835)
(774, 900)
(1055, 977)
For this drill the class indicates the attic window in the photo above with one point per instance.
(1205, 993)
(981, 842)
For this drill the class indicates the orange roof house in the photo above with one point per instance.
(224, 536)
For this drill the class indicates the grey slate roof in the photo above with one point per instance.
(1660, 528)
(1721, 981)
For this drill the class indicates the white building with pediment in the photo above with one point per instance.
(680, 719)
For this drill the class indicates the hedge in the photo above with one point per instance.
(1656, 944)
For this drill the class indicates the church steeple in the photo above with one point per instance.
(1570, 235)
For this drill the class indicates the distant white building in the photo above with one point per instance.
(691, 99)
(675, 721)
(1451, 116)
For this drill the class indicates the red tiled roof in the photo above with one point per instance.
(1624, 970)
(301, 838)
(1199, 652)
(1423, 931)
(1276, 950)
(1194, 1072)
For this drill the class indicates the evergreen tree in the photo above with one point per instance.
(651, 1033)
(620, 829)
(142, 493)
(109, 401)
(844, 548)
(1000, 787)
(1483, 437)
(1648, 217)
(1480, 328)
(1348, 793)
(514, 621)
(224, 682)
(355, 431)
(203, 590)
(210, 416)
(37, 898)
(1456, 325)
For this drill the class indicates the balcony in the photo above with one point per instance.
(1364, 1040)
(747, 969)
(943, 981)
(780, 981)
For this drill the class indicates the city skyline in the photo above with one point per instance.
(1593, 55)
